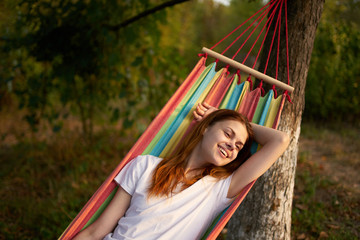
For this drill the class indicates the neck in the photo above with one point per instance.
(195, 160)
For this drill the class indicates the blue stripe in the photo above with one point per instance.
(159, 147)
(235, 96)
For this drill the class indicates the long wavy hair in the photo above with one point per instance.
(171, 170)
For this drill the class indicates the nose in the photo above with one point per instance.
(230, 145)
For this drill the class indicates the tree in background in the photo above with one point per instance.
(83, 58)
(266, 211)
(334, 74)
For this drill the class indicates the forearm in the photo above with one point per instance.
(264, 135)
(109, 218)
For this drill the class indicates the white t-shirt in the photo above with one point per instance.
(185, 215)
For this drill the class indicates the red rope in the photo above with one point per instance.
(239, 26)
(275, 92)
(250, 81)
(261, 88)
(239, 76)
(271, 7)
(236, 39)
(268, 23)
(203, 55)
(278, 45)
(252, 47)
(287, 54)
(273, 38)
(257, 25)
(286, 94)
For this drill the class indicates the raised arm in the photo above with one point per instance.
(274, 143)
(109, 218)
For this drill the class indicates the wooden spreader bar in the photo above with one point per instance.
(248, 70)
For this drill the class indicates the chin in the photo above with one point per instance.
(220, 164)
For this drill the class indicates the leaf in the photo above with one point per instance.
(115, 115)
(57, 127)
(138, 61)
(128, 123)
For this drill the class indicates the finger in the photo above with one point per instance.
(202, 107)
(205, 104)
(196, 116)
(200, 111)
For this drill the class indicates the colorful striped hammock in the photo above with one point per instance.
(204, 84)
(218, 88)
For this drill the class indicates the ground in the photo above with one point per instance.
(327, 187)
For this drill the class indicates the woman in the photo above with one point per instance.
(178, 197)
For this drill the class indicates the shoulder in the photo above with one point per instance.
(138, 167)
(145, 162)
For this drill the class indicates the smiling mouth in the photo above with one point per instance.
(223, 152)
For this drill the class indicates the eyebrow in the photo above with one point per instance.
(234, 134)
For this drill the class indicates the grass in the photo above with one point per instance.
(326, 201)
(45, 183)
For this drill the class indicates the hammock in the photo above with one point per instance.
(221, 89)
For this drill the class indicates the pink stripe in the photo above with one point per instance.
(249, 103)
(277, 118)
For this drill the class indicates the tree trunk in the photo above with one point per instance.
(266, 211)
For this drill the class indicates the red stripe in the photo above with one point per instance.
(249, 103)
(219, 89)
(277, 118)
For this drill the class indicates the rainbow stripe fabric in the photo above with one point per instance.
(218, 88)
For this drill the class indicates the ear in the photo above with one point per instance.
(206, 129)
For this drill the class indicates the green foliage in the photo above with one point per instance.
(334, 76)
(45, 185)
(70, 56)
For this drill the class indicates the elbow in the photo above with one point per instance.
(284, 140)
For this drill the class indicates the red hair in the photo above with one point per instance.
(171, 170)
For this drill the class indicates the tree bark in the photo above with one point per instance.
(266, 211)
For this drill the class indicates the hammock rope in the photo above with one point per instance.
(239, 27)
(272, 7)
(263, 15)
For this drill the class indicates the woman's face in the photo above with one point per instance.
(222, 142)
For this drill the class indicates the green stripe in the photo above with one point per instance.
(177, 110)
(100, 209)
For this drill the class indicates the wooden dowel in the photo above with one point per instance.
(248, 70)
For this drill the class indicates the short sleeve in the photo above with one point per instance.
(222, 188)
(130, 174)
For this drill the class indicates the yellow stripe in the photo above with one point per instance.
(241, 97)
(229, 93)
(273, 111)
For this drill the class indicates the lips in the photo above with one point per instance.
(223, 151)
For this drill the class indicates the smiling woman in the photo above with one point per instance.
(159, 198)
(221, 144)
